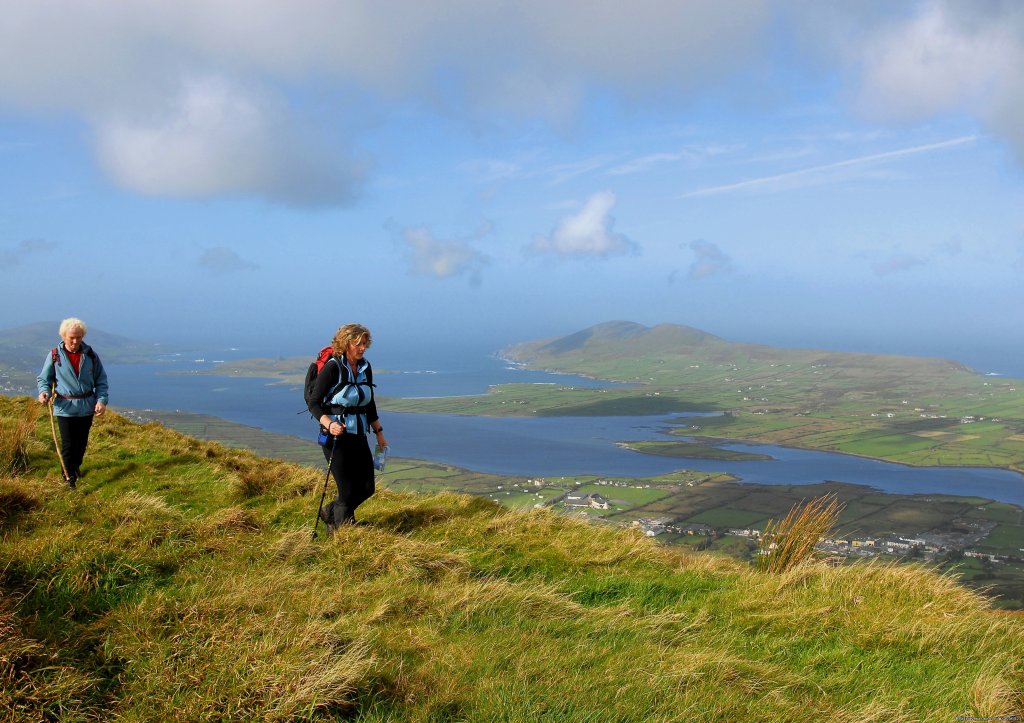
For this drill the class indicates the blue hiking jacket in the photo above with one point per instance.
(76, 395)
(344, 399)
(351, 399)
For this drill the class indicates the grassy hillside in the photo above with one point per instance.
(180, 583)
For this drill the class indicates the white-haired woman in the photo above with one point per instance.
(75, 375)
(343, 402)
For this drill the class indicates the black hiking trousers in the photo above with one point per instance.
(352, 469)
(74, 437)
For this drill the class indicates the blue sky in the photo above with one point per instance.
(844, 175)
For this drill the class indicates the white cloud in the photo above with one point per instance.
(586, 233)
(223, 260)
(23, 250)
(646, 163)
(208, 97)
(691, 156)
(949, 56)
(221, 139)
(442, 258)
(828, 173)
(709, 260)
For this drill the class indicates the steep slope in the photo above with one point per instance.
(180, 583)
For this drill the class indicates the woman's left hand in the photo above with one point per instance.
(100, 408)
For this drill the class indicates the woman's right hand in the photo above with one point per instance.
(44, 397)
(335, 428)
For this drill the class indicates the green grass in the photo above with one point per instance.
(631, 495)
(180, 583)
(1005, 537)
(693, 450)
(729, 517)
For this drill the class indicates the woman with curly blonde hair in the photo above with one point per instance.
(343, 401)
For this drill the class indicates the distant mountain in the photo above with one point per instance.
(23, 348)
(663, 336)
(600, 350)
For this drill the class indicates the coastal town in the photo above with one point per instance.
(959, 539)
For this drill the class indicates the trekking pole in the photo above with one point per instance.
(324, 493)
(53, 429)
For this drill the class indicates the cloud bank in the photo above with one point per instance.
(951, 56)
(203, 98)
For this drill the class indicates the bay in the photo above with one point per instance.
(533, 446)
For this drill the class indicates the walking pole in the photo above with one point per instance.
(324, 493)
(53, 428)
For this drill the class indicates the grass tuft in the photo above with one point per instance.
(32, 685)
(231, 520)
(16, 497)
(17, 438)
(784, 545)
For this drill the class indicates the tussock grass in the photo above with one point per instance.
(18, 438)
(32, 687)
(161, 591)
(785, 544)
(252, 476)
(17, 496)
(220, 652)
(231, 520)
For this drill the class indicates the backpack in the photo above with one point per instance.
(325, 355)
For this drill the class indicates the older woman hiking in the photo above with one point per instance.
(342, 400)
(74, 379)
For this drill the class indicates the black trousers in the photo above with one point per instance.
(352, 469)
(74, 437)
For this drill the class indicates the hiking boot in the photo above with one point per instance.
(327, 515)
(71, 481)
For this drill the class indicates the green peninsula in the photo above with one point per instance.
(913, 410)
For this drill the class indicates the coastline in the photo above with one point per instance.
(296, 449)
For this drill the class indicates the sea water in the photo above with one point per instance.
(532, 446)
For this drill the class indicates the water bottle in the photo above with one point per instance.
(380, 458)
